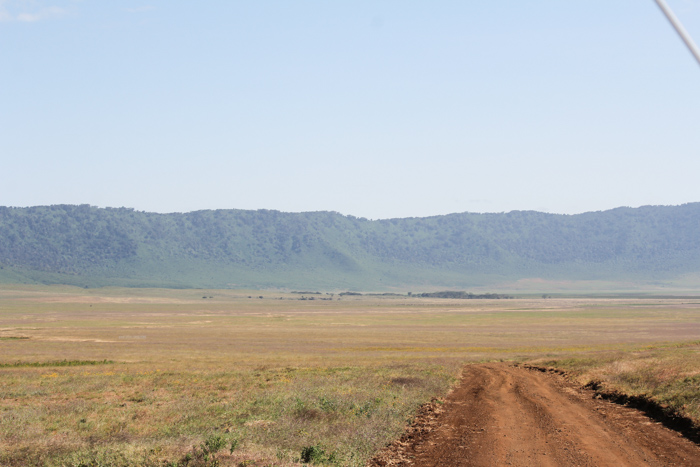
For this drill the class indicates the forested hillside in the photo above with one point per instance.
(85, 245)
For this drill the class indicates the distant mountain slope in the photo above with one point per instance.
(84, 245)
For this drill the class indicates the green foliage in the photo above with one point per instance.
(88, 246)
(205, 454)
(317, 455)
(214, 444)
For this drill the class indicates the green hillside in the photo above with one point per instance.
(89, 246)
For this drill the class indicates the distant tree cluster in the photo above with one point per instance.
(462, 295)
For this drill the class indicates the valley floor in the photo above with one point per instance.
(139, 377)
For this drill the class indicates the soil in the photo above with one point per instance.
(505, 415)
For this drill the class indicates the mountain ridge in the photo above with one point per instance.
(86, 245)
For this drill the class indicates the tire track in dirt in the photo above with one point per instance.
(504, 415)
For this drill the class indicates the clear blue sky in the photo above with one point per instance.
(373, 108)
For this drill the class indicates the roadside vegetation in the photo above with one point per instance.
(666, 375)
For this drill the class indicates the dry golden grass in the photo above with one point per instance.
(276, 376)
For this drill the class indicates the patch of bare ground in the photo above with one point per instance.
(504, 415)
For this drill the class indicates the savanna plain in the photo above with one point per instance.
(117, 376)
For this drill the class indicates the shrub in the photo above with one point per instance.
(316, 455)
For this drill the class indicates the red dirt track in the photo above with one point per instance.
(504, 415)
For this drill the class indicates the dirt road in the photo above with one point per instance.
(503, 415)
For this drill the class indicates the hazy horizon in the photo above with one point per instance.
(355, 215)
(373, 109)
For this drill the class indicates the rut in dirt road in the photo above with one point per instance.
(503, 415)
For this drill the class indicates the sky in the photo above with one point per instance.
(377, 109)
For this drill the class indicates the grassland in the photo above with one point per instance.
(151, 376)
